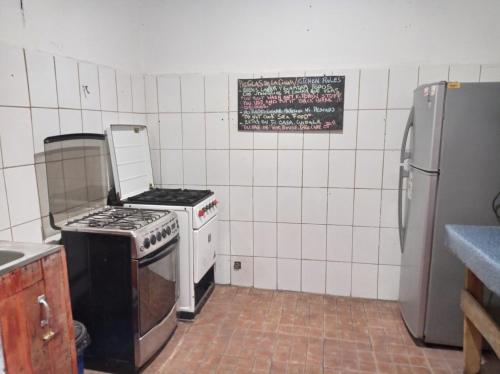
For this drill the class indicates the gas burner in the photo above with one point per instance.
(170, 196)
(95, 223)
(119, 215)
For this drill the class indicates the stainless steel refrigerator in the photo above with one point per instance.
(451, 147)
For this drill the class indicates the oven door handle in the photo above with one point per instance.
(148, 260)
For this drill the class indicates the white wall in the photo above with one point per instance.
(301, 211)
(260, 35)
(48, 51)
(336, 231)
(107, 32)
(310, 212)
(41, 95)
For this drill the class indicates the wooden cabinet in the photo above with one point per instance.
(36, 324)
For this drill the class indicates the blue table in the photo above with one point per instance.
(478, 247)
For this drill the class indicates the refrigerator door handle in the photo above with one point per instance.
(403, 173)
(404, 155)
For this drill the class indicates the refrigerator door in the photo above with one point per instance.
(421, 194)
(427, 124)
(468, 181)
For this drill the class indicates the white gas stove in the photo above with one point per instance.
(196, 212)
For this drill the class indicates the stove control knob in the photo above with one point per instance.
(216, 202)
(201, 212)
(153, 239)
(158, 236)
(146, 243)
(169, 231)
(164, 233)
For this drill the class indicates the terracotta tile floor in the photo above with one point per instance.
(244, 330)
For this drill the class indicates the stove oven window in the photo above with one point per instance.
(157, 287)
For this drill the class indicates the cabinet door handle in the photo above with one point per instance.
(42, 301)
(44, 321)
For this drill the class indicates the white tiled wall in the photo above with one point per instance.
(40, 96)
(310, 212)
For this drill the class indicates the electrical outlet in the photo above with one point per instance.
(237, 265)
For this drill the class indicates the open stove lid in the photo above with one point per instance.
(78, 174)
(131, 159)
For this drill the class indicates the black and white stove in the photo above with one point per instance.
(196, 211)
(122, 262)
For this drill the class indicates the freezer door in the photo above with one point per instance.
(427, 124)
(421, 195)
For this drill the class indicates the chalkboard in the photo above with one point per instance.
(291, 104)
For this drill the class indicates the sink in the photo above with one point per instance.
(14, 255)
(9, 256)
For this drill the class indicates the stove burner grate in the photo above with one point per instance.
(128, 219)
(170, 196)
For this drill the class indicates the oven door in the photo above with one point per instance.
(204, 248)
(156, 285)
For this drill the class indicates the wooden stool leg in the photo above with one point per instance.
(472, 337)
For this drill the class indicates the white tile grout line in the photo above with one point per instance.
(117, 97)
(354, 183)
(80, 93)
(131, 91)
(174, 112)
(204, 127)
(253, 203)
(32, 149)
(382, 181)
(277, 211)
(230, 274)
(301, 213)
(100, 104)
(157, 113)
(29, 101)
(57, 94)
(326, 211)
(182, 129)
(59, 119)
